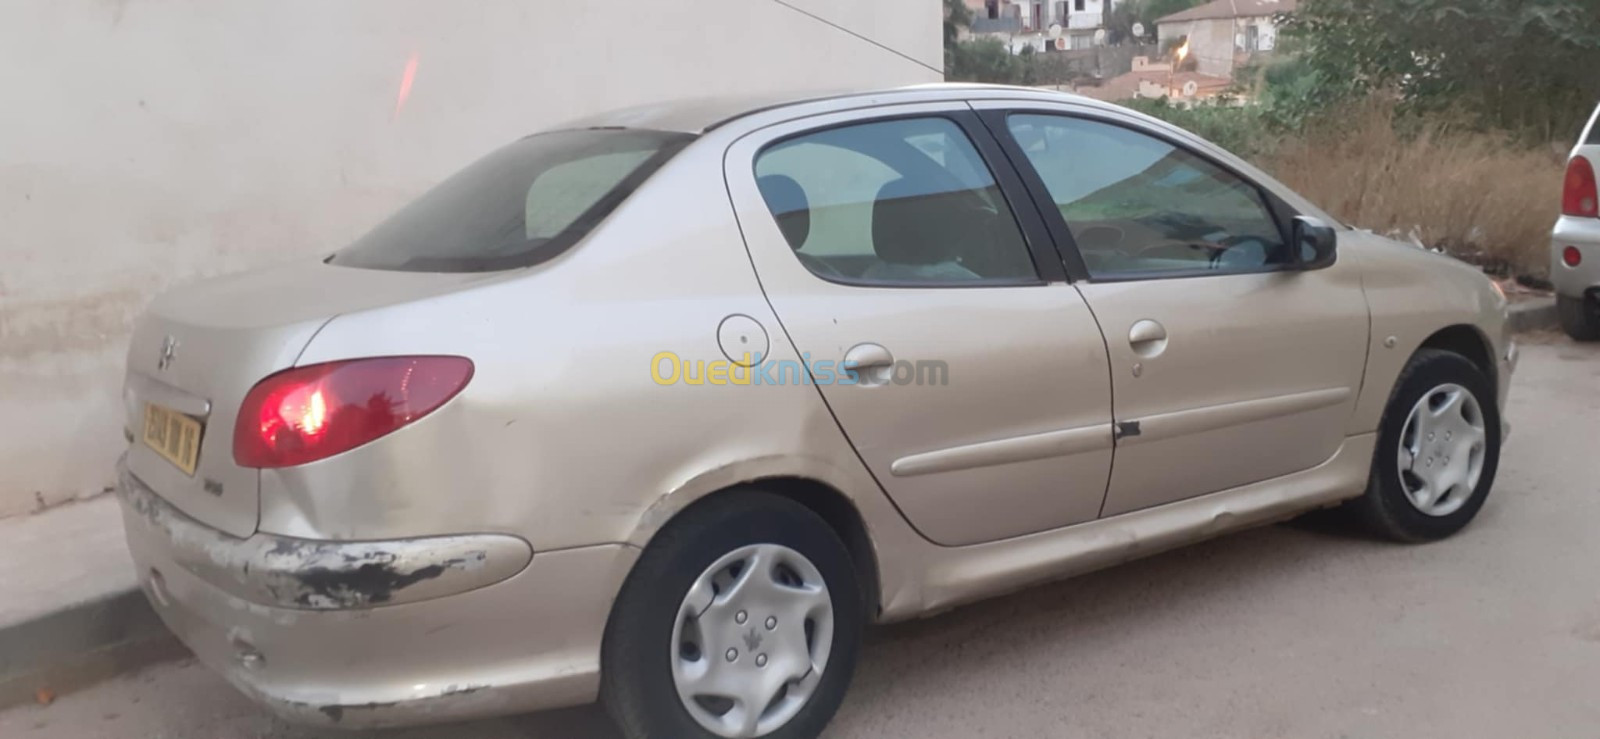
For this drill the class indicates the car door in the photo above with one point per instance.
(1230, 364)
(933, 314)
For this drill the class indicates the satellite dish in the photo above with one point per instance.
(1138, 30)
(1055, 30)
(1190, 88)
(1100, 37)
(1061, 44)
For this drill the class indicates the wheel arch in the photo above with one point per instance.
(830, 504)
(841, 515)
(1470, 342)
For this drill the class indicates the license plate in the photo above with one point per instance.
(174, 436)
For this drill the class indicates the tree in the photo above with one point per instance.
(1527, 66)
(1120, 19)
(956, 17)
(1153, 10)
(988, 60)
(983, 59)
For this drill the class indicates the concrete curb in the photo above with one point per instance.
(1534, 315)
(80, 645)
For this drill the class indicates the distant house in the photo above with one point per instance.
(1027, 23)
(1157, 79)
(1225, 34)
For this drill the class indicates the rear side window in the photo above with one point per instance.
(518, 206)
(905, 202)
(1592, 136)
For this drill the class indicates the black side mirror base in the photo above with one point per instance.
(1313, 243)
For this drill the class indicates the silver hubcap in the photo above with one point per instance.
(1442, 450)
(751, 640)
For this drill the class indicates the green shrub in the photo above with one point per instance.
(1242, 129)
(1522, 66)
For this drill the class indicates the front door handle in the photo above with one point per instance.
(1148, 338)
(872, 364)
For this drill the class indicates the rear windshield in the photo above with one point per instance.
(518, 206)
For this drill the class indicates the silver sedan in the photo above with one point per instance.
(664, 407)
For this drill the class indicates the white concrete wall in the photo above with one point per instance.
(1051, 13)
(1214, 42)
(145, 143)
(1092, 15)
(1211, 43)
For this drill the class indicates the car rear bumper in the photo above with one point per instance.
(1583, 233)
(466, 646)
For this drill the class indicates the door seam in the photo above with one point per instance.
(1111, 394)
(789, 339)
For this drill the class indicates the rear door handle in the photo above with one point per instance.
(1146, 331)
(872, 364)
(1148, 338)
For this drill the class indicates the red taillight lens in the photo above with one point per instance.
(1571, 256)
(309, 413)
(1580, 197)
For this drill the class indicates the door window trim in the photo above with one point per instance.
(996, 120)
(1036, 237)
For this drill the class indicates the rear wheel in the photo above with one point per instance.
(743, 618)
(1438, 450)
(1580, 317)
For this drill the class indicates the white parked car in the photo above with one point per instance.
(1575, 244)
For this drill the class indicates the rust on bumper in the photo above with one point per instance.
(327, 575)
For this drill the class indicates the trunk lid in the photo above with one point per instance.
(198, 349)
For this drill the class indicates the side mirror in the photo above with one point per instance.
(1315, 244)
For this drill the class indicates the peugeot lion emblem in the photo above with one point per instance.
(169, 349)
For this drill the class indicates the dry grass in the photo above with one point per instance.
(1476, 195)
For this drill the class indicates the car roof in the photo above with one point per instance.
(698, 115)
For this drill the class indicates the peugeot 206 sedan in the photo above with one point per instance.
(664, 407)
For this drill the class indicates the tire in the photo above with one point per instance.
(1390, 507)
(1580, 317)
(644, 651)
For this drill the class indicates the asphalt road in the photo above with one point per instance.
(1299, 630)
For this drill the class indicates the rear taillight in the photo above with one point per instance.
(1580, 197)
(309, 413)
(1571, 257)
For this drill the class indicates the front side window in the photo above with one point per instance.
(902, 202)
(517, 206)
(1137, 205)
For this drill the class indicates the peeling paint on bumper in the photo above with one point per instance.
(531, 641)
(325, 575)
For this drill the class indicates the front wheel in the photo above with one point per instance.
(743, 618)
(1438, 450)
